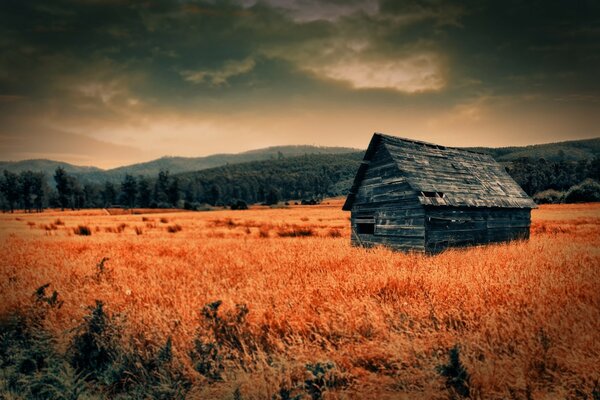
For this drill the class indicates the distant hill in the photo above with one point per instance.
(573, 150)
(184, 164)
(173, 164)
(568, 151)
(294, 178)
(46, 166)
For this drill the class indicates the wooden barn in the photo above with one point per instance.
(412, 195)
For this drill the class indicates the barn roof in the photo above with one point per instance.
(446, 176)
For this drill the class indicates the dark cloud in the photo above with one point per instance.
(100, 64)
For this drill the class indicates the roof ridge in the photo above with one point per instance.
(424, 143)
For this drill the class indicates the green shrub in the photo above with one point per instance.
(586, 191)
(94, 348)
(30, 366)
(239, 205)
(549, 196)
(224, 339)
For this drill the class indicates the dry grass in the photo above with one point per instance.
(525, 315)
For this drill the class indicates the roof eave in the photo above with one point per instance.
(375, 140)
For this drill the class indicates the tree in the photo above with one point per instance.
(63, 186)
(39, 190)
(129, 190)
(586, 191)
(144, 194)
(77, 194)
(91, 194)
(10, 189)
(161, 187)
(26, 189)
(214, 195)
(272, 197)
(173, 192)
(109, 194)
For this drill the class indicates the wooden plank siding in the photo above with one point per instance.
(463, 226)
(387, 201)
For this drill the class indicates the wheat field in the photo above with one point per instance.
(301, 307)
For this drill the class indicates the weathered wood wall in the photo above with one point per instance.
(462, 226)
(387, 201)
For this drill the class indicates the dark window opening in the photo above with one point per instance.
(365, 228)
(433, 194)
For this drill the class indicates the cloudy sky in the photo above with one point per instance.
(111, 82)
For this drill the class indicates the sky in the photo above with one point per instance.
(113, 82)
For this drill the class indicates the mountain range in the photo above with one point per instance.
(172, 164)
(569, 151)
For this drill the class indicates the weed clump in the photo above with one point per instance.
(41, 297)
(174, 228)
(48, 228)
(296, 232)
(263, 231)
(225, 341)
(82, 230)
(457, 377)
(95, 347)
(323, 376)
(101, 270)
(334, 233)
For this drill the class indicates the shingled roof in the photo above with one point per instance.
(446, 176)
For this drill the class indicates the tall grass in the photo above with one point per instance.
(312, 316)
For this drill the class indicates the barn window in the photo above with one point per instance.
(433, 194)
(365, 226)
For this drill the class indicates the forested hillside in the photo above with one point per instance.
(575, 150)
(302, 177)
(171, 164)
(283, 178)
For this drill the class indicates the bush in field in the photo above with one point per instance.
(296, 232)
(97, 351)
(191, 205)
(549, 196)
(96, 365)
(239, 205)
(334, 233)
(586, 191)
(30, 366)
(457, 377)
(82, 230)
(263, 231)
(95, 347)
(174, 228)
(225, 340)
(323, 376)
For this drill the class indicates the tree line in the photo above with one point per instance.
(268, 182)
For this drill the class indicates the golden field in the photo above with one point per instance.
(525, 316)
